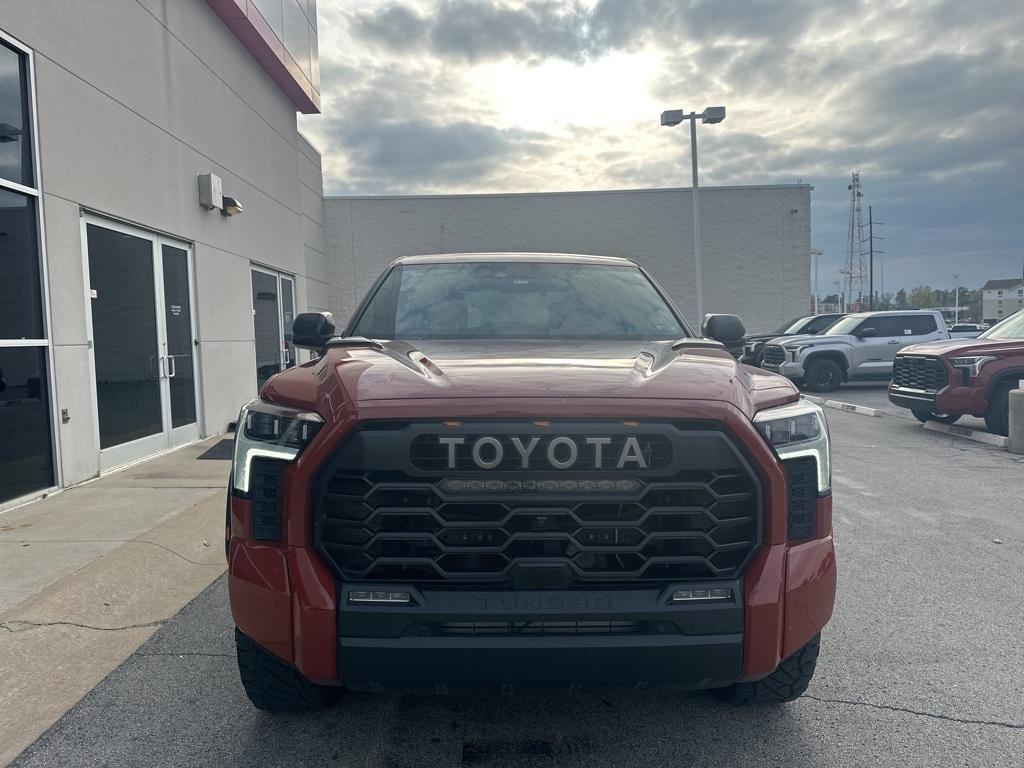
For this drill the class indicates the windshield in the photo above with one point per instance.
(517, 300)
(1010, 328)
(792, 326)
(843, 326)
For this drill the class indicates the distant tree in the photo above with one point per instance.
(901, 299)
(922, 297)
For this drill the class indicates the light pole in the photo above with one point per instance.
(673, 117)
(815, 253)
(956, 309)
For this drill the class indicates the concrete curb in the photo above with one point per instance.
(863, 410)
(969, 434)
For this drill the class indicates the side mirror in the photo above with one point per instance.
(312, 330)
(727, 329)
(867, 333)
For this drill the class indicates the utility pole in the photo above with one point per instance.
(855, 269)
(956, 309)
(815, 253)
(871, 261)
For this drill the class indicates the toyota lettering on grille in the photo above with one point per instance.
(561, 452)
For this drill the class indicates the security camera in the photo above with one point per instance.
(232, 206)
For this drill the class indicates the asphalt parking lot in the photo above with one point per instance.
(921, 665)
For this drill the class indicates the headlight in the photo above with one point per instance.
(798, 429)
(270, 431)
(972, 365)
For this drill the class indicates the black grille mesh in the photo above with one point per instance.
(390, 525)
(924, 373)
(774, 354)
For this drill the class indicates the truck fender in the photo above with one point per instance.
(1003, 378)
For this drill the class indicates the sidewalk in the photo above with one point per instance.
(87, 575)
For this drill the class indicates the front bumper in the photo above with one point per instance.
(287, 600)
(949, 400)
(452, 640)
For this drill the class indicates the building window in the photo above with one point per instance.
(27, 462)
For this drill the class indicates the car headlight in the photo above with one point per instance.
(267, 430)
(972, 365)
(799, 429)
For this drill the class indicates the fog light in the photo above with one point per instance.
(379, 597)
(700, 595)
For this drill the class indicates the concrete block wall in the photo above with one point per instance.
(756, 240)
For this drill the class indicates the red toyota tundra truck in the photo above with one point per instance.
(945, 380)
(517, 472)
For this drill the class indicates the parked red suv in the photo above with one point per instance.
(944, 380)
(518, 471)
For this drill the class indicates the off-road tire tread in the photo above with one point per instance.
(273, 686)
(786, 683)
(809, 378)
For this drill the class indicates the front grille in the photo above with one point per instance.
(923, 373)
(380, 517)
(774, 355)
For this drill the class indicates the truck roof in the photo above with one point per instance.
(887, 312)
(555, 258)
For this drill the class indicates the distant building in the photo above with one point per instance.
(1001, 298)
(756, 239)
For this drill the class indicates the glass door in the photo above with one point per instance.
(181, 380)
(273, 311)
(142, 336)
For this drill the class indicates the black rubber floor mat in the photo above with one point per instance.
(221, 450)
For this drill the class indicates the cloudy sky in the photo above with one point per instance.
(926, 98)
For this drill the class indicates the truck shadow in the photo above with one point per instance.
(644, 729)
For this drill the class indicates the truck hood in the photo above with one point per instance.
(810, 340)
(696, 370)
(961, 347)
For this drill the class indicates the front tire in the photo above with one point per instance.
(786, 683)
(944, 418)
(997, 417)
(273, 686)
(823, 376)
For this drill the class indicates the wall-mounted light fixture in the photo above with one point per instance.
(232, 206)
(210, 196)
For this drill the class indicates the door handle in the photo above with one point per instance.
(285, 357)
(894, 341)
(172, 367)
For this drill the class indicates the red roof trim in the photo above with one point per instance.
(256, 35)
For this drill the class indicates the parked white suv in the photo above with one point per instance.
(858, 347)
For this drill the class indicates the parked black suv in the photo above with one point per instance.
(812, 325)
